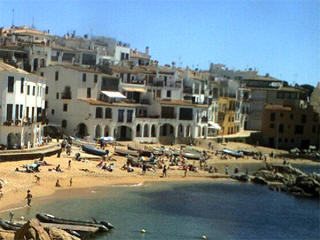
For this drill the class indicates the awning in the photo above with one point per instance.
(112, 94)
(142, 90)
(214, 125)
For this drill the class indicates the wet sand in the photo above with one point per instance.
(16, 184)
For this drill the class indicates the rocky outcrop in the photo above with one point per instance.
(58, 234)
(6, 235)
(33, 230)
(289, 179)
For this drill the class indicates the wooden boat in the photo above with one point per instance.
(125, 152)
(232, 153)
(93, 151)
(80, 142)
(191, 155)
(246, 152)
(48, 218)
(6, 225)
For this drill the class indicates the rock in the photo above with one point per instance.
(309, 185)
(259, 180)
(6, 235)
(58, 234)
(32, 230)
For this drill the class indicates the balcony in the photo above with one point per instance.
(187, 90)
(66, 95)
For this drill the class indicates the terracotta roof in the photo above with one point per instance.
(261, 78)
(182, 103)
(277, 107)
(9, 68)
(114, 104)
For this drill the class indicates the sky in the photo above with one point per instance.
(279, 37)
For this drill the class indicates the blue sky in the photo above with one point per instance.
(280, 37)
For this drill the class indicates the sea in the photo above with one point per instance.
(180, 211)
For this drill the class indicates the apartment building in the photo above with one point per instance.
(288, 127)
(22, 108)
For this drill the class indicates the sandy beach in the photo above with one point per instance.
(16, 184)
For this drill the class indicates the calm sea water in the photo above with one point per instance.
(179, 211)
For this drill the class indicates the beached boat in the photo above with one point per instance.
(48, 218)
(191, 155)
(246, 152)
(6, 225)
(93, 151)
(125, 152)
(80, 142)
(232, 153)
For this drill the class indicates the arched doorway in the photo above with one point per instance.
(153, 131)
(11, 140)
(82, 130)
(35, 64)
(166, 130)
(106, 131)
(146, 130)
(97, 131)
(123, 133)
(138, 130)
(188, 131)
(180, 130)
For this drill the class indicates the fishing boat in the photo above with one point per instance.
(80, 142)
(125, 152)
(232, 153)
(48, 218)
(93, 151)
(246, 152)
(6, 225)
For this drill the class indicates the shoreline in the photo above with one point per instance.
(16, 184)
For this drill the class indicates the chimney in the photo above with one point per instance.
(147, 50)
(173, 64)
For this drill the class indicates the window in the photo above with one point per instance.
(298, 129)
(303, 118)
(98, 112)
(271, 125)
(65, 107)
(108, 113)
(47, 89)
(95, 80)
(57, 96)
(33, 91)
(281, 115)
(28, 90)
(169, 94)
(64, 123)
(21, 111)
(158, 93)
(46, 104)
(129, 116)
(291, 116)
(41, 74)
(22, 85)
(10, 84)
(9, 111)
(281, 128)
(52, 111)
(56, 77)
(84, 77)
(313, 128)
(272, 116)
(315, 117)
(27, 112)
(17, 112)
(120, 115)
(88, 92)
(32, 114)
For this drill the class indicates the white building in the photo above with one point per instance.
(22, 104)
(142, 103)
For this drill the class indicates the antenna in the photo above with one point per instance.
(12, 24)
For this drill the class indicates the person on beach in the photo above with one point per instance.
(59, 152)
(164, 171)
(144, 169)
(29, 198)
(69, 164)
(68, 147)
(70, 182)
(37, 179)
(185, 170)
(226, 170)
(58, 183)
(247, 172)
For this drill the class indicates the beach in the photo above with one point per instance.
(16, 183)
